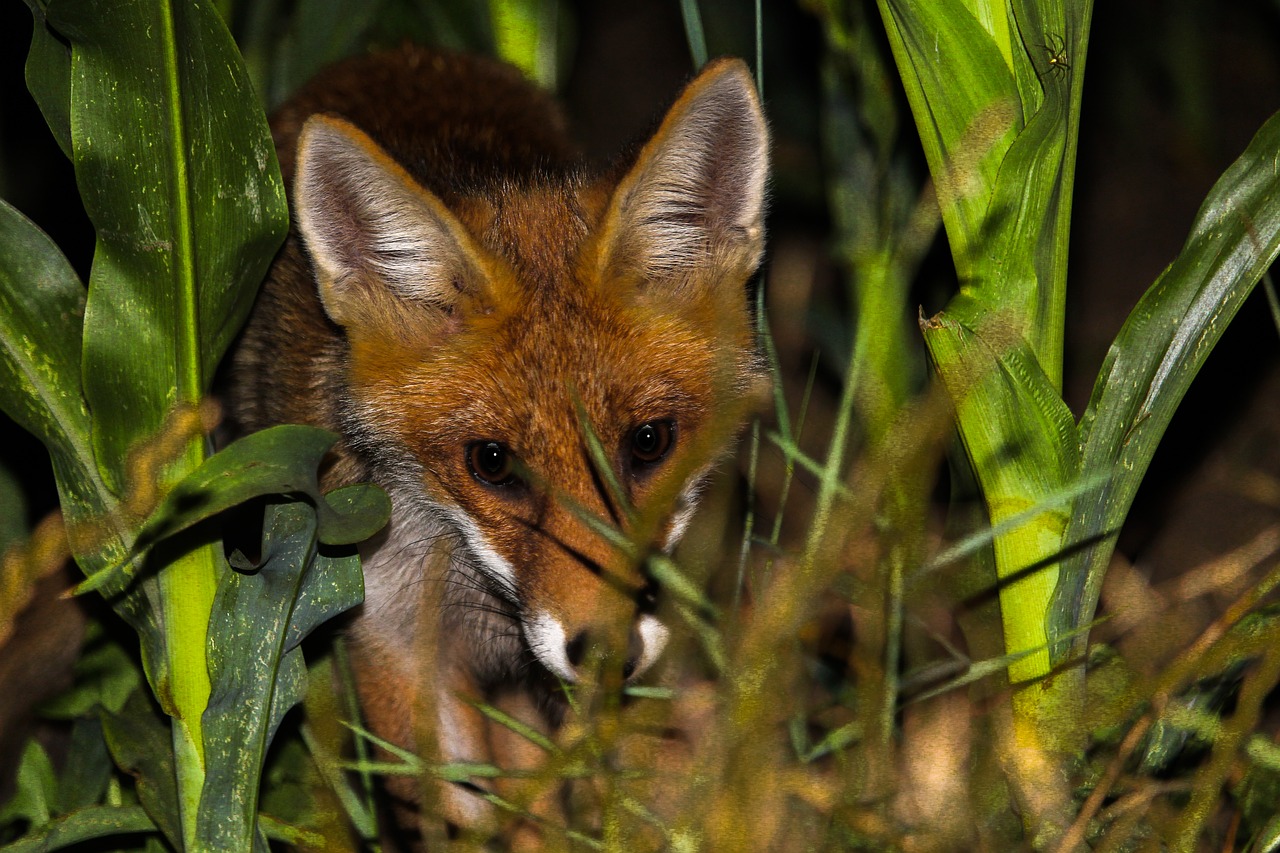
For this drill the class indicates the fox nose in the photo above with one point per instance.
(577, 647)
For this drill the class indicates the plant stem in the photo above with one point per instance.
(189, 583)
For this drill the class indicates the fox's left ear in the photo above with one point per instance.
(690, 212)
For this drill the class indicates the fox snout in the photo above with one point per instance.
(569, 642)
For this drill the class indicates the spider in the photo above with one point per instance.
(1057, 50)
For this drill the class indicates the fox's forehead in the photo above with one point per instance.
(539, 229)
(554, 361)
(562, 343)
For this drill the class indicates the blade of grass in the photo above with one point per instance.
(510, 723)
(330, 770)
(1273, 301)
(694, 33)
(748, 524)
(975, 542)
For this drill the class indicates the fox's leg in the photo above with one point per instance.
(536, 792)
(424, 703)
(461, 738)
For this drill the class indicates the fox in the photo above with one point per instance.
(518, 348)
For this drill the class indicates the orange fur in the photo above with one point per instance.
(455, 278)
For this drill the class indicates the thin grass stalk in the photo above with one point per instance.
(760, 49)
(1273, 301)
(694, 33)
(830, 480)
(351, 708)
(748, 525)
(790, 434)
(789, 463)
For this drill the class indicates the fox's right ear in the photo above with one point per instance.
(377, 239)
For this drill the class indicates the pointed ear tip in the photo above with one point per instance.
(729, 80)
(321, 126)
(727, 65)
(728, 68)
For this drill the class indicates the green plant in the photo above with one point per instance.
(178, 174)
(996, 93)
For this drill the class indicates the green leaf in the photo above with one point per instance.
(37, 788)
(363, 819)
(255, 665)
(88, 767)
(1022, 272)
(1021, 440)
(525, 35)
(524, 731)
(974, 543)
(321, 32)
(48, 74)
(999, 124)
(141, 744)
(1164, 342)
(834, 741)
(281, 460)
(178, 174)
(13, 513)
(965, 101)
(86, 824)
(601, 464)
(106, 675)
(665, 571)
(41, 319)
(693, 32)
(352, 514)
(1263, 752)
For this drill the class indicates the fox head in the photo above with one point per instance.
(549, 366)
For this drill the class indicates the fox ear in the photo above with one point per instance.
(374, 234)
(691, 209)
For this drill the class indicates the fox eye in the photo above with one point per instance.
(650, 442)
(491, 463)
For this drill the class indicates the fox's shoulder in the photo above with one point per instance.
(452, 120)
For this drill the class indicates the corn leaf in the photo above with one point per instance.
(996, 95)
(48, 75)
(178, 174)
(282, 460)
(262, 615)
(142, 746)
(41, 317)
(1022, 270)
(83, 825)
(965, 101)
(1021, 440)
(1234, 239)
